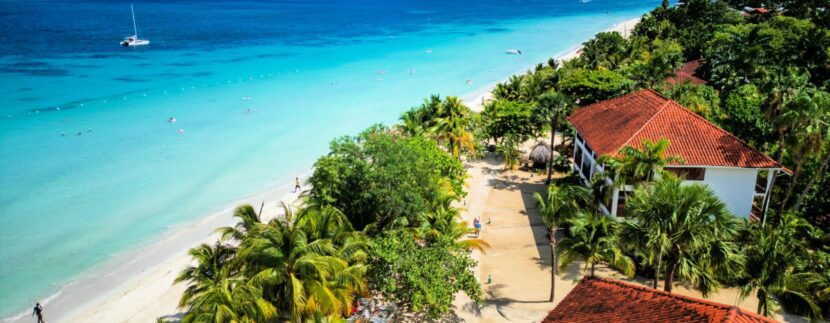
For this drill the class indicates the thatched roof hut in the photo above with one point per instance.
(540, 154)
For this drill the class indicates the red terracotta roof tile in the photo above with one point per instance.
(605, 300)
(686, 73)
(609, 125)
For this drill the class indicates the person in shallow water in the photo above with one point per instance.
(296, 184)
(38, 310)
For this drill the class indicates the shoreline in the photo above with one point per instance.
(136, 285)
(143, 269)
(475, 99)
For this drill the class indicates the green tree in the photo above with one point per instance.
(593, 237)
(550, 108)
(211, 267)
(736, 56)
(379, 177)
(303, 276)
(656, 64)
(635, 165)
(424, 278)
(510, 90)
(773, 255)
(560, 204)
(607, 50)
(537, 82)
(229, 300)
(419, 120)
(701, 99)
(503, 118)
(589, 86)
(445, 221)
(248, 222)
(690, 226)
(451, 125)
(744, 117)
(509, 151)
(810, 113)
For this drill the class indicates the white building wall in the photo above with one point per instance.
(734, 186)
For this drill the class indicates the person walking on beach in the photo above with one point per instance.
(39, 312)
(477, 226)
(296, 184)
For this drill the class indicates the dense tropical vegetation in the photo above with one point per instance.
(378, 220)
(766, 82)
(379, 217)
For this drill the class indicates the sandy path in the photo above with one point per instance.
(519, 258)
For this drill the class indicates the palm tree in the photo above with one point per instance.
(248, 221)
(811, 115)
(211, 267)
(301, 275)
(444, 221)
(550, 108)
(650, 246)
(418, 120)
(773, 253)
(510, 89)
(636, 165)
(560, 204)
(689, 227)
(411, 123)
(451, 124)
(327, 222)
(229, 300)
(783, 86)
(593, 237)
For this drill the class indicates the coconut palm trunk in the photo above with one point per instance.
(819, 174)
(657, 268)
(554, 268)
(790, 189)
(553, 125)
(667, 281)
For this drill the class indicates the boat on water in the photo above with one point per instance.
(131, 41)
(514, 52)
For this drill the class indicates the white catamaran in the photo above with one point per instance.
(133, 40)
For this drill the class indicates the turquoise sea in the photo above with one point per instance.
(90, 165)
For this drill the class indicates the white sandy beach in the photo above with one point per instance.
(138, 286)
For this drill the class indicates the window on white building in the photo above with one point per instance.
(688, 173)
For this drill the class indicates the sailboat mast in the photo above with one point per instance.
(135, 29)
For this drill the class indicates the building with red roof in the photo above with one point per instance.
(686, 74)
(605, 300)
(749, 11)
(739, 174)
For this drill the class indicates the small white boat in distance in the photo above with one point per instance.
(513, 52)
(133, 40)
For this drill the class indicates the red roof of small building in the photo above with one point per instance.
(629, 120)
(686, 74)
(606, 301)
